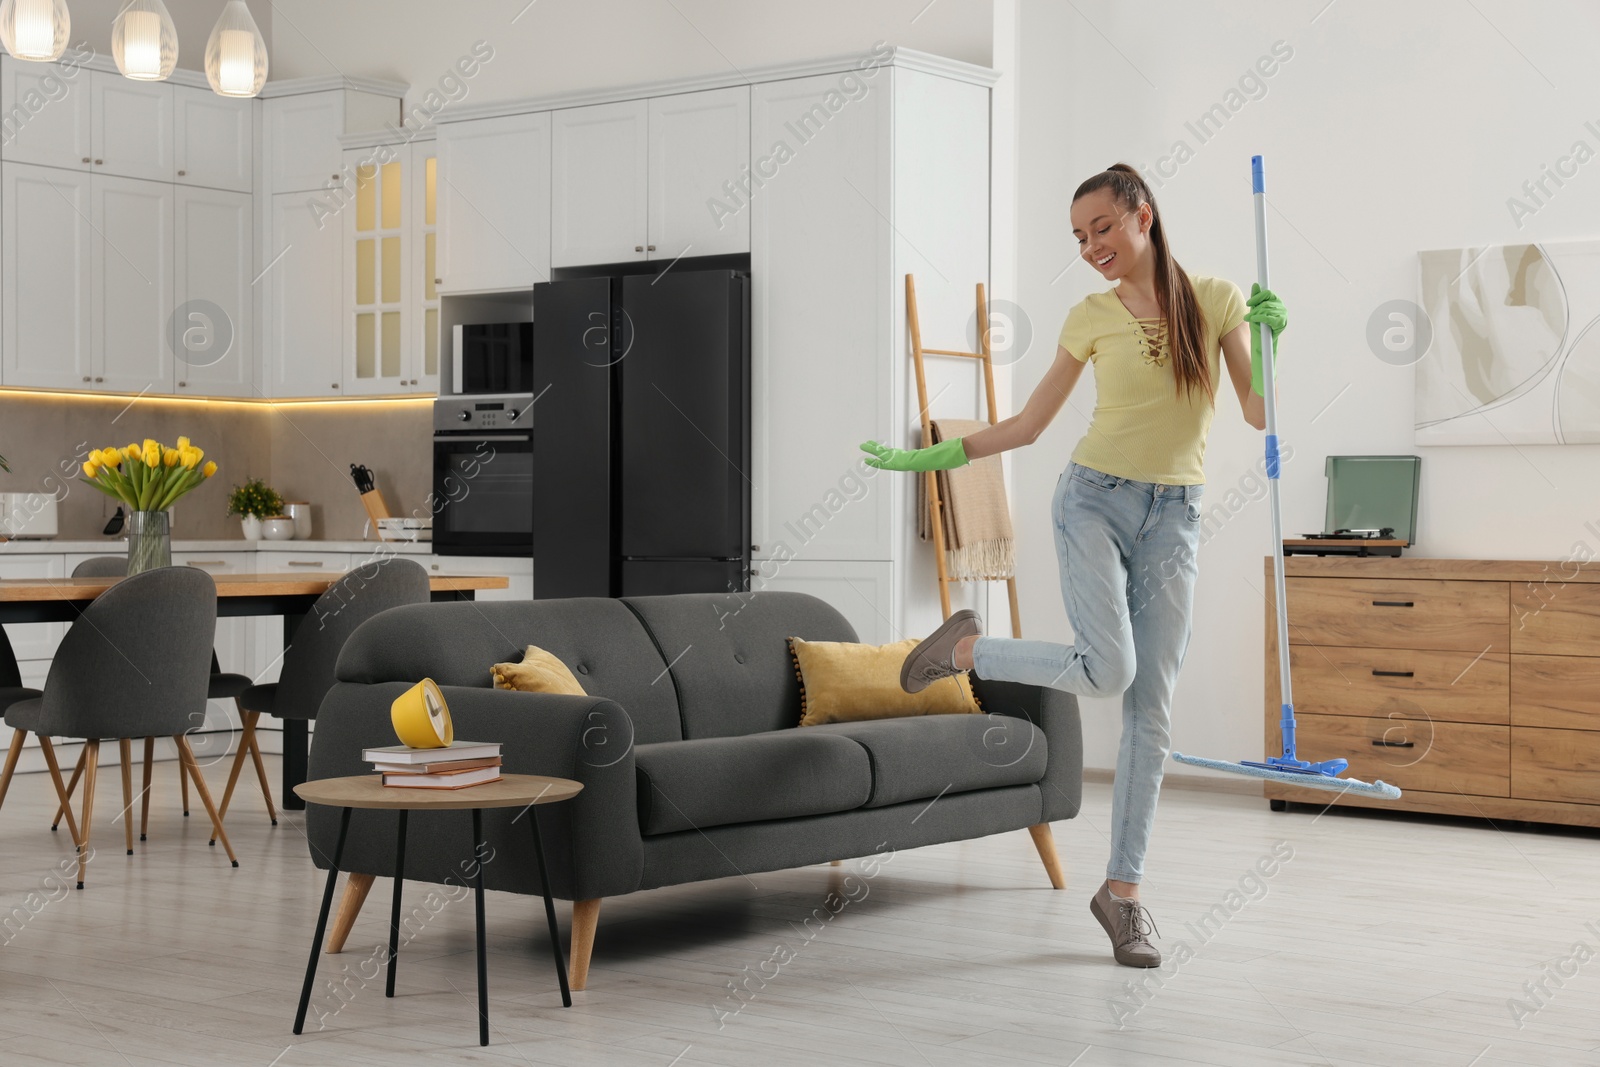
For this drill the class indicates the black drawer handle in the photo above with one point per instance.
(1394, 603)
(1393, 674)
(1395, 744)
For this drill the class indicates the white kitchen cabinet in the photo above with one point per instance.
(517, 569)
(47, 114)
(378, 345)
(304, 274)
(33, 640)
(213, 140)
(820, 239)
(424, 283)
(132, 283)
(699, 142)
(494, 203)
(48, 245)
(599, 184)
(301, 141)
(213, 328)
(132, 127)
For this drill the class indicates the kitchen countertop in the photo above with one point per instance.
(239, 544)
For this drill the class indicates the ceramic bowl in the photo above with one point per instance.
(277, 529)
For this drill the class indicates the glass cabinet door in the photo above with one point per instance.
(378, 355)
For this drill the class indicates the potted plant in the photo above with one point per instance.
(252, 502)
(148, 478)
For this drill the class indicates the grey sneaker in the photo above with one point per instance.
(1128, 924)
(930, 661)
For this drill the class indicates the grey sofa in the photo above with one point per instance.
(692, 764)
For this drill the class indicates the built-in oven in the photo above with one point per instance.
(483, 475)
(494, 358)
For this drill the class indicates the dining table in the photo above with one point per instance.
(288, 596)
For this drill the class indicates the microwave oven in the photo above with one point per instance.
(493, 358)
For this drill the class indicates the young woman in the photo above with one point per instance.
(1126, 509)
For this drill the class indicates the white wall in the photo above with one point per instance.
(553, 46)
(1394, 127)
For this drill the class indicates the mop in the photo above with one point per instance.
(1285, 768)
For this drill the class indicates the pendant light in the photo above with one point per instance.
(144, 41)
(35, 29)
(236, 56)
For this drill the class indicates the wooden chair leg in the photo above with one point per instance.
(1045, 842)
(183, 783)
(125, 751)
(144, 794)
(66, 807)
(585, 917)
(91, 764)
(49, 751)
(13, 754)
(233, 779)
(356, 888)
(186, 755)
(261, 767)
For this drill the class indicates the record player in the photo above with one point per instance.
(1372, 508)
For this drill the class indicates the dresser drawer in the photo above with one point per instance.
(334, 563)
(1556, 618)
(216, 562)
(1448, 686)
(1410, 752)
(1555, 691)
(1559, 765)
(1400, 613)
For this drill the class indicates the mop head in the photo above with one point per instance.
(1306, 781)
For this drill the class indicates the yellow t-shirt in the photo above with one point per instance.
(1144, 428)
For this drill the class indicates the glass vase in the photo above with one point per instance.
(149, 541)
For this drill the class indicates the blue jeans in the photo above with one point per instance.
(1127, 554)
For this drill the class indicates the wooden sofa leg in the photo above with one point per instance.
(356, 887)
(585, 916)
(1045, 842)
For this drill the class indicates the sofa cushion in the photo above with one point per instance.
(715, 781)
(927, 756)
(730, 654)
(539, 672)
(847, 681)
(600, 641)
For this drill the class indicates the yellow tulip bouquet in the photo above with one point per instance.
(148, 476)
(148, 479)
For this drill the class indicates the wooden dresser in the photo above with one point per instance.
(1473, 685)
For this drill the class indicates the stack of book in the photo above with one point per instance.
(462, 764)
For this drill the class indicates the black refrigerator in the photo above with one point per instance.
(641, 434)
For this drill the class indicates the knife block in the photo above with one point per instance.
(376, 508)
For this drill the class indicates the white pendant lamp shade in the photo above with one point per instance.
(236, 56)
(144, 41)
(35, 29)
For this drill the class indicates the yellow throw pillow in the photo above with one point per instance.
(539, 672)
(843, 681)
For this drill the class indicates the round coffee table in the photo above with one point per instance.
(526, 791)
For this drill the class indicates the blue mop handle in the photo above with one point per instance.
(1286, 688)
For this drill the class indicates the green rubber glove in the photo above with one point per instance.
(1264, 307)
(942, 456)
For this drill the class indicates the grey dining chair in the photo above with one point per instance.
(222, 686)
(134, 664)
(308, 662)
(12, 691)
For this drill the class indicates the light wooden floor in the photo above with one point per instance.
(1382, 941)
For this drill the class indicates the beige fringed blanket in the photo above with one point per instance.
(977, 518)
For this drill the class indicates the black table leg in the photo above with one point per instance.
(550, 908)
(296, 755)
(483, 968)
(322, 922)
(394, 912)
(296, 737)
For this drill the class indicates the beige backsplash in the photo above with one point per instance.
(302, 450)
